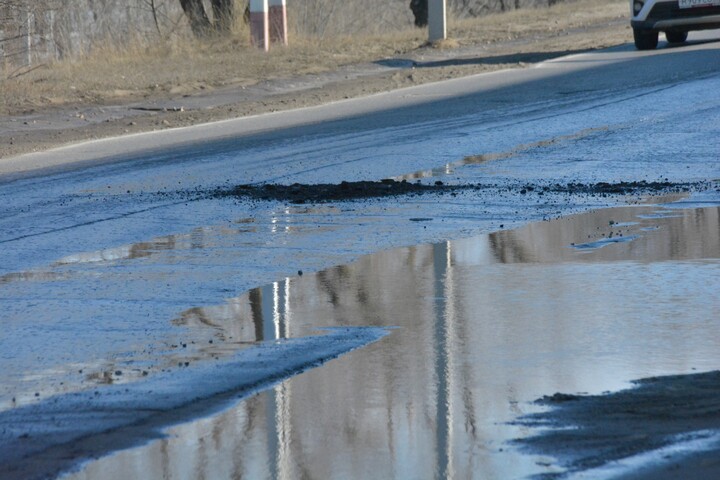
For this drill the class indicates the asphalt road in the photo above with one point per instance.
(495, 98)
(381, 136)
(105, 244)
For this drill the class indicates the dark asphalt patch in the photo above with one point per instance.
(623, 188)
(328, 192)
(298, 193)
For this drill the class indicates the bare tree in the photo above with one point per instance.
(420, 12)
(199, 21)
(33, 32)
(24, 28)
(223, 13)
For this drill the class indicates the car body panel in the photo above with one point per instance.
(666, 15)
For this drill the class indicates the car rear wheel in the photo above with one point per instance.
(645, 39)
(676, 37)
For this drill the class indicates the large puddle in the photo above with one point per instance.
(481, 327)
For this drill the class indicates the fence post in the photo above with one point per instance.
(278, 22)
(437, 20)
(2, 52)
(259, 24)
(51, 45)
(28, 36)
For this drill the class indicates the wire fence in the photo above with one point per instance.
(36, 31)
(33, 32)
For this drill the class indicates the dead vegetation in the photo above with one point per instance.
(179, 65)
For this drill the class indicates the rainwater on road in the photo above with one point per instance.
(480, 328)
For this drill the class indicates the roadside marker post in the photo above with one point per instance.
(437, 20)
(278, 22)
(259, 24)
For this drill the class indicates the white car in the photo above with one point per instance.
(673, 17)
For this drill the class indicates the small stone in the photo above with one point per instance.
(560, 398)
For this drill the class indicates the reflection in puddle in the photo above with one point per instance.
(198, 238)
(284, 220)
(450, 168)
(659, 215)
(486, 325)
(260, 315)
(106, 312)
(126, 252)
(655, 235)
(605, 242)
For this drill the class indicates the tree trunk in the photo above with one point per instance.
(420, 12)
(199, 22)
(223, 14)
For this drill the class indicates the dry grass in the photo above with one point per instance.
(184, 66)
(537, 21)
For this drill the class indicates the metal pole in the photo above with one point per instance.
(51, 45)
(437, 20)
(259, 24)
(28, 38)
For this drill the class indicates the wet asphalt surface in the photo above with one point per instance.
(108, 270)
(478, 328)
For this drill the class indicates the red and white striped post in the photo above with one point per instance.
(259, 24)
(278, 22)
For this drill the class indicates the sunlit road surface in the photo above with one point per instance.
(116, 275)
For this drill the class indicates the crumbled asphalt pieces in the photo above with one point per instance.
(328, 192)
(322, 193)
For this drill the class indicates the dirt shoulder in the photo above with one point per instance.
(40, 118)
(675, 419)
